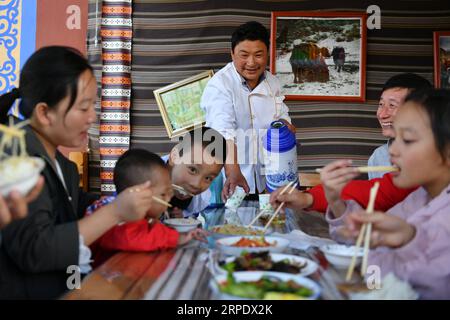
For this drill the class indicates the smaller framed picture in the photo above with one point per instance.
(319, 55)
(179, 103)
(442, 59)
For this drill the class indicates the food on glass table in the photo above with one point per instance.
(262, 261)
(253, 243)
(236, 229)
(264, 288)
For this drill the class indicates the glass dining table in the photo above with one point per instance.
(183, 273)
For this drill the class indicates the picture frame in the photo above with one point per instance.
(179, 103)
(441, 46)
(319, 55)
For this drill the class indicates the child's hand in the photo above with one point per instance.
(387, 230)
(297, 200)
(176, 213)
(198, 234)
(133, 203)
(334, 177)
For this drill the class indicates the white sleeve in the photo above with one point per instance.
(285, 112)
(218, 106)
(84, 257)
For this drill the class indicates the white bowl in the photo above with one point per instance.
(256, 275)
(225, 245)
(24, 176)
(182, 225)
(310, 267)
(341, 255)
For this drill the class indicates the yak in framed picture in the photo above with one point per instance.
(319, 55)
(442, 59)
(179, 103)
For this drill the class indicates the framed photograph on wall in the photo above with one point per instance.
(319, 55)
(442, 59)
(179, 103)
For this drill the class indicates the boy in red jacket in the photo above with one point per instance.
(134, 167)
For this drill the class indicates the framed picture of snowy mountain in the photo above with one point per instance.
(442, 59)
(319, 55)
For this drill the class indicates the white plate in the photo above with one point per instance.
(225, 245)
(25, 179)
(310, 267)
(218, 235)
(256, 275)
(182, 225)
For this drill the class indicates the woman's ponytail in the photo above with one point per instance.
(6, 102)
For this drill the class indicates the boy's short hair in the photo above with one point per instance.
(134, 167)
(410, 81)
(252, 31)
(210, 140)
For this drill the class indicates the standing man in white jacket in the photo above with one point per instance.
(241, 99)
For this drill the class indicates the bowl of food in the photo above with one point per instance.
(266, 261)
(264, 285)
(182, 225)
(19, 173)
(234, 246)
(341, 256)
(228, 230)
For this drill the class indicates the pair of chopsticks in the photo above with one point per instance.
(182, 190)
(280, 206)
(265, 210)
(372, 169)
(161, 201)
(365, 231)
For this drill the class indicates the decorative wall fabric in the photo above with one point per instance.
(175, 39)
(17, 40)
(116, 35)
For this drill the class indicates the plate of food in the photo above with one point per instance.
(264, 285)
(234, 246)
(19, 173)
(227, 230)
(266, 261)
(182, 225)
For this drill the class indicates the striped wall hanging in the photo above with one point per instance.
(116, 35)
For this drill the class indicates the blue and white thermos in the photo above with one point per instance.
(280, 156)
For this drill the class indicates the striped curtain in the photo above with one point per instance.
(116, 34)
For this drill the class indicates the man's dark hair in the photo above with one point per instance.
(134, 167)
(205, 136)
(410, 81)
(252, 31)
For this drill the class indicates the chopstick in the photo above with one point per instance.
(278, 209)
(371, 169)
(183, 190)
(162, 201)
(262, 211)
(366, 230)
